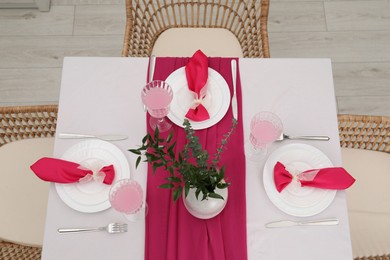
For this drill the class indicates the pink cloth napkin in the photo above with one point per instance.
(61, 171)
(172, 233)
(197, 75)
(335, 178)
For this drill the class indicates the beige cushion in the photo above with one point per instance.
(369, 201)
(183, 42)
(23, 196)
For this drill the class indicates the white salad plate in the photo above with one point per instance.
(294, 199)
(92, 154)
(216, 102)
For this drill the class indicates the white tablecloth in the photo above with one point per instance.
(102, 95)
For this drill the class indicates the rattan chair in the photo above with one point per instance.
(147, 20)
(18, 123)
(371, 133)
(365, 132)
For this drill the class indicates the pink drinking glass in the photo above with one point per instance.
(126, 197)
(157, 96)
(265, 127)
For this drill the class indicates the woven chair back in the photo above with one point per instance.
(147, 19)
(17, 123)
(365, 132)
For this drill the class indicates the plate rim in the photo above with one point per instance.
(206, 123)
(73, 203)
(271, 189)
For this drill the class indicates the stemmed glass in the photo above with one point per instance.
(126, 196)
(265, 128)
(157, 96)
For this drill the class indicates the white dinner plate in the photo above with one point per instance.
(294, 199)
(216, 102)
(93, 154)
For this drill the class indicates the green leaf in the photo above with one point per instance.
(138, 161)
(170, 151)
(221, 174)
(166, 186)
(198, 190)
(169, 138)
(186, 188)
(135, 151)
(156, 134)
(173, 179)
(145, 138)
(215, 195)
(222, 185)
(155, 166)
(177, 193)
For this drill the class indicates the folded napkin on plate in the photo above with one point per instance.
(327, 178)
(197, 75)
(61, 171)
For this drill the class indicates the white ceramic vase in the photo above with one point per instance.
(205, 209)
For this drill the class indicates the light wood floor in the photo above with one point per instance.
(354, 34)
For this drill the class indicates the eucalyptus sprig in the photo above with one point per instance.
(182, 173)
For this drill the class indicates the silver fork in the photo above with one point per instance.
(308, 137)
(110, 228)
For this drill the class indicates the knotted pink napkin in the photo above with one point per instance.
(327, 178)
(197, 75)
(61, 171)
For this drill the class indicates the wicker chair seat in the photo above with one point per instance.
(369, 201)
(365, 142)
(22, 195)
(183, 42)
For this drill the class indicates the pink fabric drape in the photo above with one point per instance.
(172, 233)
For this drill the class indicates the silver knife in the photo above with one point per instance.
(234, 98)
(101, 137)
(152, 63)
(289, 223)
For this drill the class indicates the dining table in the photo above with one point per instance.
(102, 95)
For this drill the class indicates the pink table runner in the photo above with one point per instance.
(172, 233)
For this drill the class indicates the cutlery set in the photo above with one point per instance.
(282, 223)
